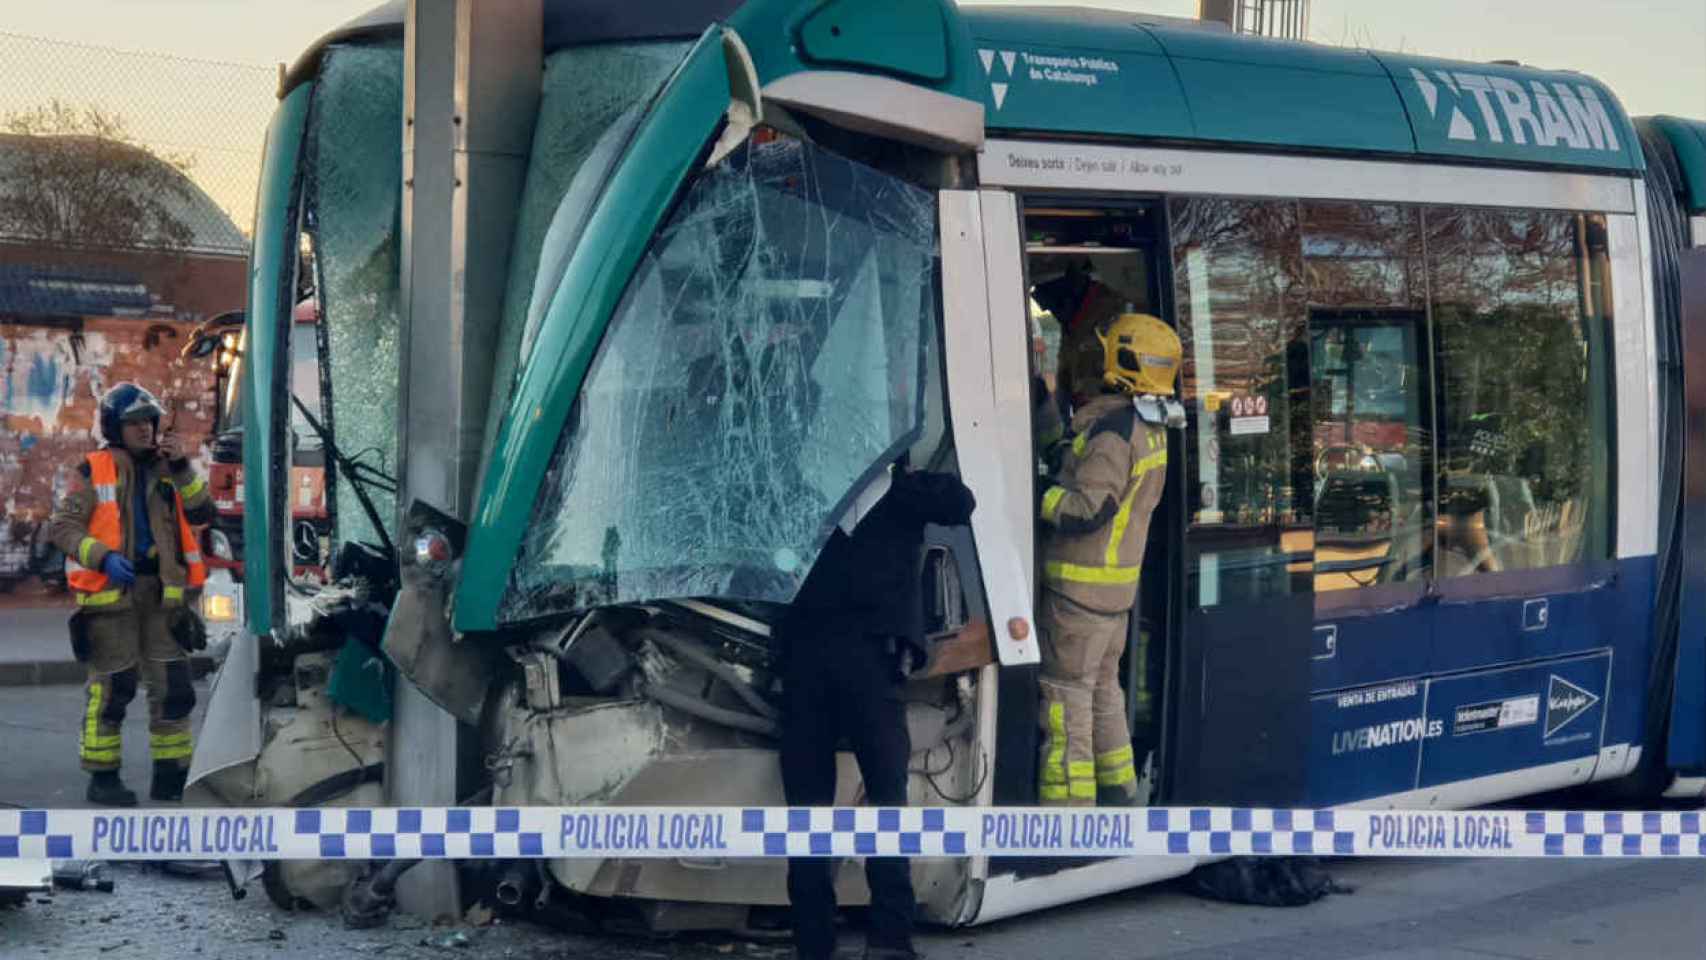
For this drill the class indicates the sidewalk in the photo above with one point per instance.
(36, 649)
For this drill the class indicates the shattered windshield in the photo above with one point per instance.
(767, 358)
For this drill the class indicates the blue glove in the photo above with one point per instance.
(118, 569)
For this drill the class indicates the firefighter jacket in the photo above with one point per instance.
(96, 518)
(1098, 508)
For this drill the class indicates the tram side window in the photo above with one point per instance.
(352, 189)
(1370, 415)
(1242, 312)
(1520, 305)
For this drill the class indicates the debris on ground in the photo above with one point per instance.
(1264, 881)
(193, 869)
(455, 939)
(478, 915)
(82, 875)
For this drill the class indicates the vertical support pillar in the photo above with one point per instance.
(1220, 11)
(472, 72)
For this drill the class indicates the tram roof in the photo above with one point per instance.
(568, 23)
(1060, 71)
(1688, 140)
(1054, 70)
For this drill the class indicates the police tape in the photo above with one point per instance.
(459, 833)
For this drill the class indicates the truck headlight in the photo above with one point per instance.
(218, 607)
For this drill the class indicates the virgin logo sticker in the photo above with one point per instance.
(1565, 702)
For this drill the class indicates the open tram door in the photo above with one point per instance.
(1216, 669)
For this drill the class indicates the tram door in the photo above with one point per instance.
(1085, 264)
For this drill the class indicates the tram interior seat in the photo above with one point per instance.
(1512, 504)
(1513, 541)
(1358, 518)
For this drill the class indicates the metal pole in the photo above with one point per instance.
(472, 72)
(1220, 11)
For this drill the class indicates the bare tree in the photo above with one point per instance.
(71, 177)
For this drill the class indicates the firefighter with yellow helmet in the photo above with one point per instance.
(1096, 521)
(132, 560)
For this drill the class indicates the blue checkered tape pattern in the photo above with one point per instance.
(854, 831)
(1243, 832)
(383, 833)
(27, 837)
(1582, 834)
(451, 833)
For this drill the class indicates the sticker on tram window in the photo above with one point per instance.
(1495, 715)
(1249, 416)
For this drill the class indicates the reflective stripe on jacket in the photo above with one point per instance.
(90, 523)
(1099, 506)
(82, 572)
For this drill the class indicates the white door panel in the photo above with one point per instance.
(979, 425)
(1009, 340)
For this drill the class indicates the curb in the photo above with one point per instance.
(28, 673)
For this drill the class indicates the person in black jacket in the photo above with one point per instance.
(852, 636)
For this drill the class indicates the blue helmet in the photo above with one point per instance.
(126, 401)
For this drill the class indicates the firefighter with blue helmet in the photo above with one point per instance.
(133, 562)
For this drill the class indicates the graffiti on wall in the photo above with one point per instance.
(51, 381)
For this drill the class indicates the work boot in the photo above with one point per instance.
(107, 790)
(168, 785)
(1121, 796)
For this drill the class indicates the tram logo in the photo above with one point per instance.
(1068, 69)
(1008, 58)
(1547, 115)
(1565, 702)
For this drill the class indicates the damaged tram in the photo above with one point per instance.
(717, 267)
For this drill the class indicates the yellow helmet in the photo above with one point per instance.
(1140, 355)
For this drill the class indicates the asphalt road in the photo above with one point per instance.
(38, 745)
(1399, 910)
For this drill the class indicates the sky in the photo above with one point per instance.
(224, 55)
(1652, 52)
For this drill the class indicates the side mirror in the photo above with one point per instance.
(201, 345)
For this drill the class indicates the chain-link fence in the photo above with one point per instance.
(204, 118)
(127, 185)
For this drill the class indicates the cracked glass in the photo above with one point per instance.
(767, 360)
(353, 194)
(590, 102)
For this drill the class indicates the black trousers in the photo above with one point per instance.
(839, 684)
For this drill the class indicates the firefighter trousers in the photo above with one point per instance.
(127, 647)
(1086, 743)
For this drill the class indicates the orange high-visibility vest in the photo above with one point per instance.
(106, 527)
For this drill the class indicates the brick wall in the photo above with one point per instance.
(51, 380)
